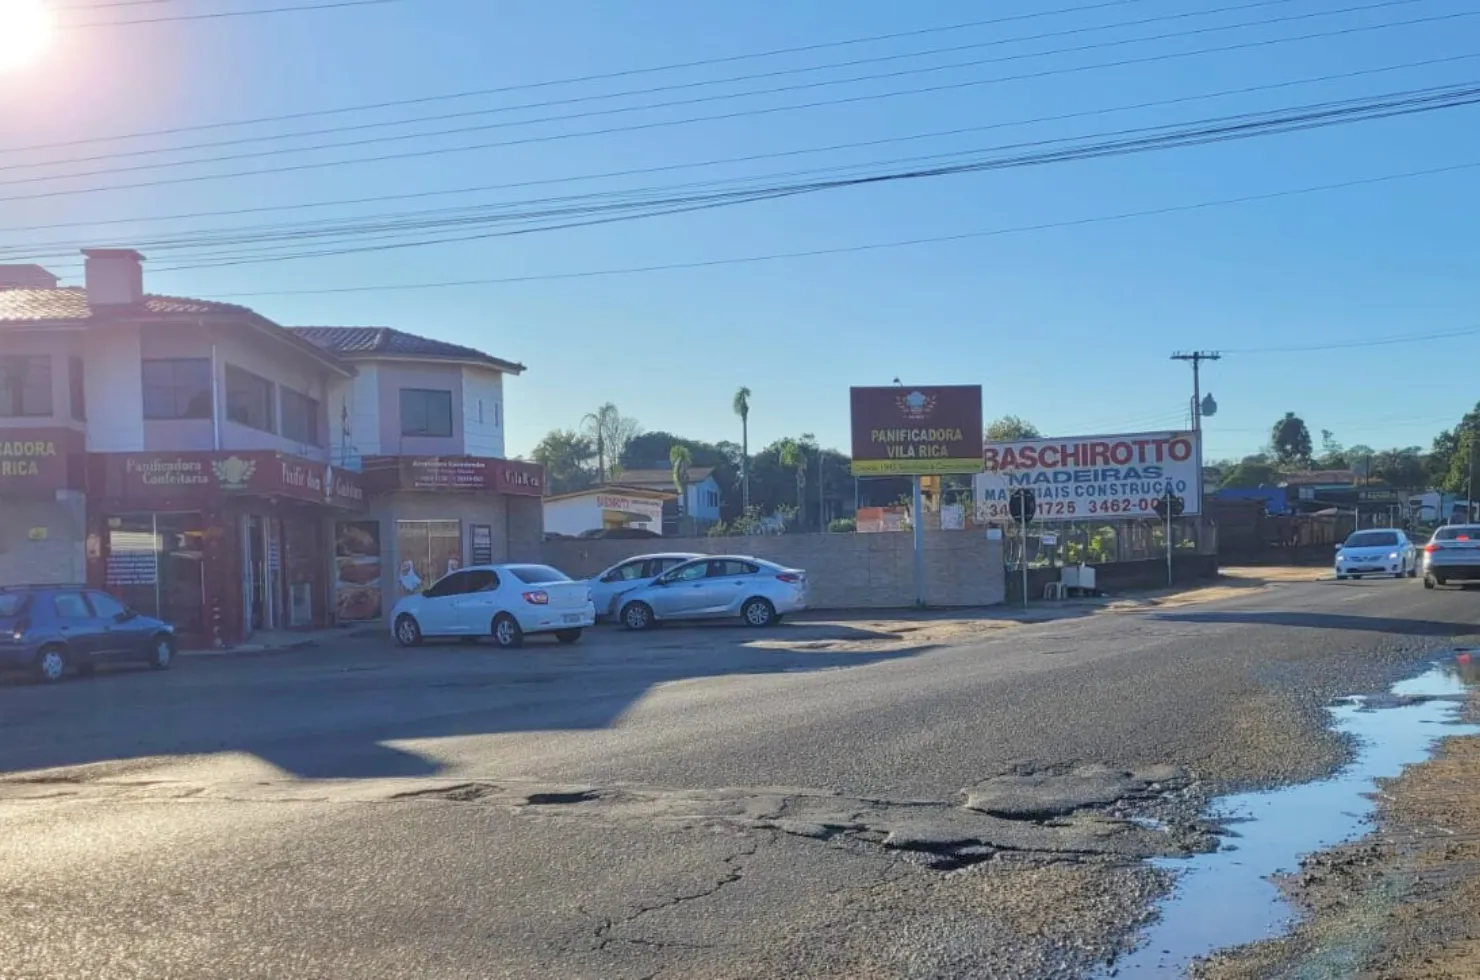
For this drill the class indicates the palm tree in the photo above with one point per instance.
(681, 458)
(793, 455)
(741, 405)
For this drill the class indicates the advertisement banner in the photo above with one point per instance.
(1083, 478)
(201, 477)
(359, 571)
(903, 431)
(40, 460)
(455, 473)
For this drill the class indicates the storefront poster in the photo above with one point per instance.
(426, 551)
(357, 562)
(481, 536)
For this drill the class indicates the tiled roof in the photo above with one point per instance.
(70, 303)
(352, 342)
(664, 478)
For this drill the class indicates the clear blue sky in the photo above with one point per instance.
(1069, 327)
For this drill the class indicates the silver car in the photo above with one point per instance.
(1452, 553)
(760, 592)
(609, 587)
(1381, 551)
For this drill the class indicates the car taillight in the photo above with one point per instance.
(1431, 547)
(788, 578)
(537, 598)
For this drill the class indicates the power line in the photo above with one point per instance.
(642, 171)
(602, 76)
(1147, 139)
(219, 14)
(700, 83)
(874, 246)
(653, 125)
(1345, 344)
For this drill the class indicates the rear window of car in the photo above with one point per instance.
(536, 574)
(13, 603)
(1372, 539)
(1456, 532)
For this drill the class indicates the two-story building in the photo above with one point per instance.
(192, 457)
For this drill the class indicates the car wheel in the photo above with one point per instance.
(1340, 577)
(51, 664)
(1428, 581)
(1398, 574)
(408, 630)
(758, 612)
(161, 653)
(637, 616)
(506, 631)
(568, 636)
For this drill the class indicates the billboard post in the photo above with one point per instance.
(915, 432)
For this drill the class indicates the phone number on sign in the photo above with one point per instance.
(1074, 508)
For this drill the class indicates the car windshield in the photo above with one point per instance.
(1458, 532)
(13, 603)
(537, 574)
(1372, 539)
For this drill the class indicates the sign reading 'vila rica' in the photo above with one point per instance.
(903, 431)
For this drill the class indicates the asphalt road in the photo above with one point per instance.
(680, 804)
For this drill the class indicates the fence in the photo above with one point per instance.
(1107, 542)
(844, 571)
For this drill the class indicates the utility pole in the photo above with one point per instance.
(1196, 358)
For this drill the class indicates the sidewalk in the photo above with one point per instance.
(283, 641)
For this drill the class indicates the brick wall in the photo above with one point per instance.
(845, 571)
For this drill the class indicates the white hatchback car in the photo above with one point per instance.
(609, 587)
(1384, 551)
(506, 602)
(759, 592)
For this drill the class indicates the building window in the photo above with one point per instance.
(75, 386)
(25, 385)
(249, 400)
(480, 411)
(425, 412)
(300, 418)
(177, 388)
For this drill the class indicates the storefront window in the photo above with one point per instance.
(156, 564)
(426, 551)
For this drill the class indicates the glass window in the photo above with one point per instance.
(1372, 539)
(70, 605)
(1456, 532)
(25, 385)
(76, 388)
(628, 572)
(425, 412)
(728, 568)
(14, 603)
(538, 574)
(482, 580)
(300, 418)
(657, 566)
(105, 606)
(688, 573)
(249, 400)
(426, 551)
(177, 388)
(455, 584)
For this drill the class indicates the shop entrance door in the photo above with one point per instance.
(254, 553)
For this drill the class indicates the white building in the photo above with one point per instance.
(605, 509)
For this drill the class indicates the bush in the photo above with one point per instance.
(842, 525)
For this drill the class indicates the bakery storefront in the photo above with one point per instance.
(219, 543)
(427, 516)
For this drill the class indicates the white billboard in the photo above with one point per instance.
(1090, 478)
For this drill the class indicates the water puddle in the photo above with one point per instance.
(1225, 898)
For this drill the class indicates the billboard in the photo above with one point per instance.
(906, 431)
(1086, 478)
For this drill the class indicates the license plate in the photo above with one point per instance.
(572, 618)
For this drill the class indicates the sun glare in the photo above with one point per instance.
(25, 32)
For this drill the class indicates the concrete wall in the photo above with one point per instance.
(845, 571)
(57, 555)
(483, 412)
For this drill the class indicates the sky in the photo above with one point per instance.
(1056, 290)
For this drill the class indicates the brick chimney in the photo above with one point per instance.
(114, 276)
(26, 277)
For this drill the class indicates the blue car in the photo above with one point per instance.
(53, 630)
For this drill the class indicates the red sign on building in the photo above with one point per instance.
(434, 473)
(203, 476)
(41, 460)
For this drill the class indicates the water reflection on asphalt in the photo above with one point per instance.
(1225, 898)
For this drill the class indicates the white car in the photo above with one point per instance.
(1384, 551)
(506, 602)
(608, 587)
(760, 592)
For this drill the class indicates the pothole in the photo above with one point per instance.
(461, 793)
(562, 799)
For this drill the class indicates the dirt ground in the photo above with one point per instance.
(1400, 904)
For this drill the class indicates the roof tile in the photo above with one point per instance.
(70, 303)
(351, 342)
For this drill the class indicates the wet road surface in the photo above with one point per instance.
(663, 806)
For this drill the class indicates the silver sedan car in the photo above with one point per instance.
(608, 588)
(1452, 554)
(759, 592)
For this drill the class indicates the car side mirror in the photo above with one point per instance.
(1338, 547)
(124, 616)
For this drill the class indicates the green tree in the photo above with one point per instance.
(1401, 468)
(610, 430)
(1009, 428)
(1291, 440)
(741, 406)
(1250, 474)
(1332, 457)
(680, 459)
(793, 456)
(566, 456)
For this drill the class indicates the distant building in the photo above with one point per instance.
(701, 504)
(607, 508)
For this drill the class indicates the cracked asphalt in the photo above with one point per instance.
(691, 803)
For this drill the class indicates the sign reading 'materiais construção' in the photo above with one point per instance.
(907, 431)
